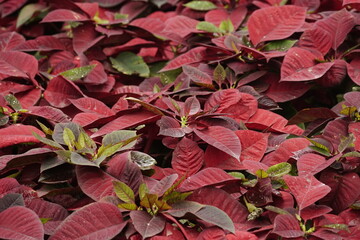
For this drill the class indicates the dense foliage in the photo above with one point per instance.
(168, 119)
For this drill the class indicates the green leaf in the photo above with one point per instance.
(279, 170)
(261, 173)
(200, 5)
(47, 141)
(124, 192)
(238, 175)
(143, 160)
(129, 63)
(351, 154)
(276, 210)
(78, 159)
(174, 197)
(346, 142)
(44, 128)
(319, 145)
(219, 74)
(119, 136)
(77, 73)
(69, 138)
(207, 27)
(337, 226)
(143, 190)
(280, 45)
(13, 102)
(128, 206)
(27, 12)
(44, 220)
(227, 26)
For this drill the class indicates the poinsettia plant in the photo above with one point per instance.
(179, 119)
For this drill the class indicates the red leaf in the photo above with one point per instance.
(94, 182)
(194, 55)
(29, 98)
(212, 233)
(9, 40)
(354, 70)
(146, 224)
(92, 105)
(354, 128)
(316, 38)
(97, 75)
(345, 189)
(18, 133)
(98, 220)
(219, 159)
(221, 138)
(253, 144)
(180, 25)
(64, 15)
(49, 113)
(335, 75)
(274, 23)
(236, 16)
(312, 5)
(312, 114)
(310, 164)
(206, 177)
(198, 76)
(44, 209)
(85, 37)
(126, 121)
(338, 25)
(267, 120)
(60, 90)
(42, 43)
(170, 127)
(20, 223)
(287, 226)
(314, 211)
(8, 7)
(187, 157)
(285, 151)
(306, 190)
(18, 64)
(299, 65)
(335, 131)
(219, 198)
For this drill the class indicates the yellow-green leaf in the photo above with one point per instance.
(279, 170)
(69, 138)
(77, 73)
(200, 5)
(129, 63)
(124, 192)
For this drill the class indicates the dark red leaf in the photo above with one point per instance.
(194, 55)
(299, 65)
(212, 233)
(18, 133)
(287, 226)
(312, 5)
(60, 90)
(274, 23)
(236, 16)
(49, 113)
(20, 223)
(335, 131)
(345, 189)
(170, 127)
(316, 38)
(18, 64)
(187, 157)
(85, 37)
(42, 43)
(97, 75)
(9, 40)
(306, 190)
(354, 128)
(354, 70)
(335, 75)
(163, 185)
(92, 105)
(206, 177)
(312, 114)
(64, 15)
(219, 159)
(181, 25)
(108, 3)
(222, 139)
(253, 144)
(10, 6)
(311, 164)
(146, 224)
(314, 211)
(98, 220)
(198, 76)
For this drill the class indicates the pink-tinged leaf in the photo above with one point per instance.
(133, 8)
(345, 189)
(218, 159)
(18, 64)
(153, 25)
(85, 37)
(285, 151)
(126, 121)
(219, 198)
(241, 235)
(98, 220)
(197, 76)
(206, 177)
(267, 120)
(300, 65)
(239, 106)
(316, 38)
(353, 69)
(44, 209)
(311, 164)
(94, 182)
(60, 90)
(338, 25)
(274, 23)
(354, 128)
(353, 98)
(217, 16)
(335, 75)
(314, 211)
(181, 25)
(335, 131)
(286, 91)
(97, 75)
(306, 190)
(20, 223)
(187, 157)
(146, 224)
(191, 107)
(311, 5)
(49, 113)
(213, 233)
(222, 139)
(312, 114)
(42, 43)
(29, 98)
(170, 127)
(10, 6)
(18, 133)
(11, 185)
(192, 56)
(163, 185)
(64, 15)
(9, 40)
(253, 144)
(287, 226)
(92, 105)
(253, 166)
